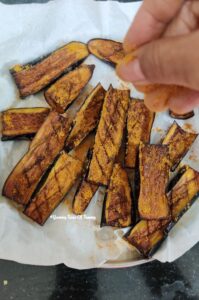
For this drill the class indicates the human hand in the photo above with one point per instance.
(166, 34)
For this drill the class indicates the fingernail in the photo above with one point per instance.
(131, 71)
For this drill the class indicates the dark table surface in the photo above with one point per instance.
(178, 280)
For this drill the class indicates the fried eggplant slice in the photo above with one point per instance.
(25, 177)
(147, 236)
(154, 174)
(117, 209)
(109, 135)
(139, 123)
(181, 116)
(107, 50)
(179, 142)
(184, 193)
(58, 183)
(22, 123)
(66, 89)
(87, 118)
(33, 77)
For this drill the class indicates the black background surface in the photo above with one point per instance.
(178, 280)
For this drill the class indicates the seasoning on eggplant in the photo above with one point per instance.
(33, 77)
(65, 90)
(184, 193)
(117, 208)
(24, 178)
(109, 135)
(139, 123)
(154, 175)
(179, 142)
(181, 116)
(87, 118)
(147, 236)
(107, 50)
(22, 123)
(58, 183)
(84, 194)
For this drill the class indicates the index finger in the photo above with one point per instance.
(151, 21)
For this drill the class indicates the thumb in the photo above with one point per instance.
(173, 60)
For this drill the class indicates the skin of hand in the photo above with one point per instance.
(166, 36)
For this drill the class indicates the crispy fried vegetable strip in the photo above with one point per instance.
(59, 181)
(109, 136)
(154, 174)
(24, 178)
(65, 90)
(107, 50)
(147, 236)
(33, 77)
(118, 210)
(179, 142)
(184, 193)
(21, 123)
(180, 116)
(87, 118)
(139, 124)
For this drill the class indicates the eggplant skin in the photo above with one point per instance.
(139, 123)
(154, 175)
(33, 77)
(109, 135)
(24, 178)
(118, 208)
(22, 123)
(58, 183)
(147, 236)
(181, 116)
(109, 51)
(87, 118)
(66, 89)
(179, 142)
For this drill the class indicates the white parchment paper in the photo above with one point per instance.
(29, 31)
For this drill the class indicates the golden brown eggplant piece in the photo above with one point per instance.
(107, 50)
(87, 118)
(139, 123)
(179, 142)
(154, 175)
(184, 193)
(58, 183)
(83, 196)
(117, 209)
(25, 177)
(22, 123)
(147, 236)
(181, 116)
(33, 77)
(109, 135)
(65, 90)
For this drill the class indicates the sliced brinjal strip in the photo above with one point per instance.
(181, 116)
(65, 90)
(107, 50)
(154, 175)
(147, 236)
(179, 142)
(109, 136)
(24, 178)
(118, 205)
(87, 118)
(22, 123)
(139, 123)
(33, 77)
(58, 183)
